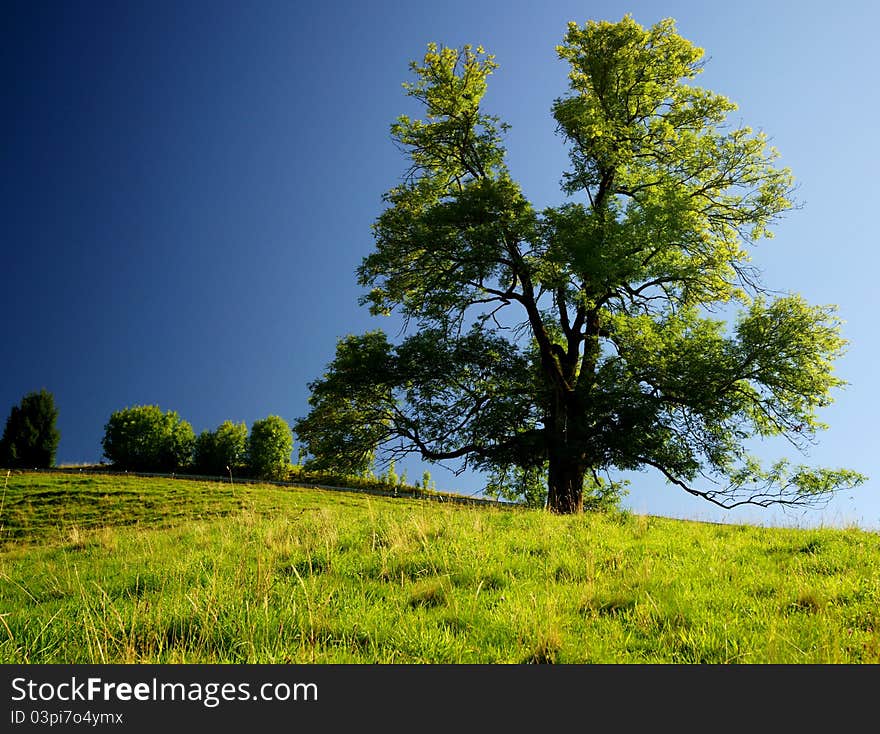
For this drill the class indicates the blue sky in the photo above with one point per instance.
(188, 188)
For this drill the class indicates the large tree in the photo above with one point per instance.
(588, 337)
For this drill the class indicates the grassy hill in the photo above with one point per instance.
(114, 569)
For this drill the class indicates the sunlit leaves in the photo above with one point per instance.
(583, 333)
(455, 140)
(435, 259)
(783, 483)
(640, 133)
(787, 349)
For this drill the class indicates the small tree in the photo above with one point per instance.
(31, 437)
(269, 448)
(391, 478)
(143, 438)
(220, 451)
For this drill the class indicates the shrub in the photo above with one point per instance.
(30, 438)
(269, 448)
(221, 451)
(143, 438)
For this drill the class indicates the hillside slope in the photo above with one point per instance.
(126, 569)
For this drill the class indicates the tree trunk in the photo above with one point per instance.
(565, 465)
(565, 480)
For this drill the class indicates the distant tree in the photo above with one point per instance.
(391, 477)
(222, 450)
(563, 344)
(204, 451)
(143, 438)
(269, 448)
(30, 439)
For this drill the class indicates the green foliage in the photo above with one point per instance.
(582, 339)
(515, 484)
(144, 438)
(369, 482)
(390, 477)
(604, 495)
(30, 438)
(221, 451)
(204, 453)
(529, 487)
(358, 403)
(269, 448)
(342, 430)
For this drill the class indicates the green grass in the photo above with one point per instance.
(99, 569)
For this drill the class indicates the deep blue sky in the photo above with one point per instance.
(188, 187)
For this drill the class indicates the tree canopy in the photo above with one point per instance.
(567, 343)
(269, 447)
(221, 451)
(30, 437)
(144, 438)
